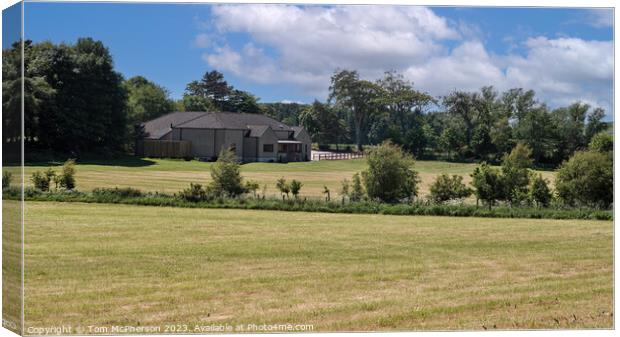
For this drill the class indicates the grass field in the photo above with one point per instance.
(165, 175)
(97, 264)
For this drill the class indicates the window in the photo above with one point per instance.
(298, 148)
(281, 148)
(267, 147)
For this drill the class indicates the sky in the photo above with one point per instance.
(287, 53)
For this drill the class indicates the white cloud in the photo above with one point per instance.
(600, 17)
(202, 40)
(302, 46)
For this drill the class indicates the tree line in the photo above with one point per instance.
(482, 125)
(75, 101)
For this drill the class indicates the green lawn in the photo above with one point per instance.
(99, 264)
(165, 175)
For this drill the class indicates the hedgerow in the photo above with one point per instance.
(135, 197)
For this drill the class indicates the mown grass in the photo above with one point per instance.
(169, 176)
(11, 265)
(101, 264)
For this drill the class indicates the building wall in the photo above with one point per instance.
(306, 146)
(249, 149)
(208, 143)
(282, 134)
(202, 141)
(268, 138)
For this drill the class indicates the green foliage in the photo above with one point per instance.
(322, 122)
(124, 192)
(196, 193)
(602, 142)
(227, 181)
(295, 187)
(390, 176)
(364, 207)
(327, 193)
(251, 186)
(357, 97)
(488, 184)
(449, 188)
(6, 179)
(345, 189)
(194, 103)
(212, 92)
(66, 178)
(357, 188)
(40, 181)
(586, 179)
(515, 173)
(283, 187)
(77, 101)
(539, 191)
(146, 100)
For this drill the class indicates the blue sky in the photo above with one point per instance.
(287, 53)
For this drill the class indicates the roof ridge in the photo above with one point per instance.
(190, 120)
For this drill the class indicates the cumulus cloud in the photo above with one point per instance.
(303, 45)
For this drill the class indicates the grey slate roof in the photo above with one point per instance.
(257, 130)
(297, 130)
(232, 120)
(159, 127)
(257, 124)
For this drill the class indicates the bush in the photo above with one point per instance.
(227, 181)
(586, 179)
(449, 188)
(515, 173)
(357, 189)
(66, 179)
(602, 142)
(539, 192)
(251, 187)
(125, 192)
(488, 184)
(195, 193)
(6, 179)
(40, 181)
(390, 176)
(295, 188)
(283, 187)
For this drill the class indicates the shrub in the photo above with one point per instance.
(357, 189)
(6, 179)
(227, 180)
(602, 142)
(251, 187)
(449, 188)
(66, 179)
(515, 173)
(345, 189)
(539, 191)
(124, 192)
(587, 178)
(390, 176)
(40, 181)
(195, 193)
(283, 187)
(327, 193)
(295, 187)
(488, 184)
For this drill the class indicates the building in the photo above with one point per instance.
(253, 137)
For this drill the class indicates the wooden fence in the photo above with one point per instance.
(337, 155)
(164, 148)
